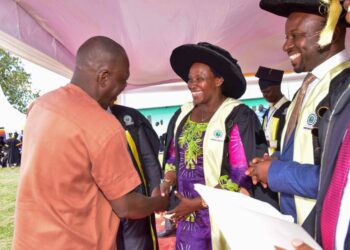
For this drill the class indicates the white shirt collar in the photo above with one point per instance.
(321, 70)
(278, 104)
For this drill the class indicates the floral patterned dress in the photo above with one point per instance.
(193, 232)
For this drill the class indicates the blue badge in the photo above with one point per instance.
(218, 133)
(311, 119)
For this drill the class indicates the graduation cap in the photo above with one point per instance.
(331, 9)
(269, 77)
(219, 59)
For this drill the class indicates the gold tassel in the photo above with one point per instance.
(334, 11)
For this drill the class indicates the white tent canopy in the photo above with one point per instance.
(49, 32)
(10, 118)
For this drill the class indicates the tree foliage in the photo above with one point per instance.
(15, 82)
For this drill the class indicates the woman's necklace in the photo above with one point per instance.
(206, 117)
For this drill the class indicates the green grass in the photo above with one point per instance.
(8, 186)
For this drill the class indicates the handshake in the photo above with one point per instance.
(161, 200)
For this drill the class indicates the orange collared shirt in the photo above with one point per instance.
(74, 161)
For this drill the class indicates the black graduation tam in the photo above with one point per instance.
(330, 9)
(286, 7)
(269, 77)
(217, 58)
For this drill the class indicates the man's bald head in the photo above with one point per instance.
(97, 50)
(102, 69)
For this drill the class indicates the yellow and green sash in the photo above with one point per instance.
(136, 156)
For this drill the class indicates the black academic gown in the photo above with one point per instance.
(2, 153)
(140, 234)
(13, 154)
(334, 111)
(253, 140)
(280, 114)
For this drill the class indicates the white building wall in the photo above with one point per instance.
(174, 94)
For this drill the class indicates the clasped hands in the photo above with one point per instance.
(258, 169)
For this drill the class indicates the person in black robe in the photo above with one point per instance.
(13, 151)
(144, 149)
(274, 117)
(2, 152)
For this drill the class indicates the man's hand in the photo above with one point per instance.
(163, 201)
(155, 192)
(134, 205)
(258, 169)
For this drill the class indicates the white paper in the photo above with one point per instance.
(247, 223)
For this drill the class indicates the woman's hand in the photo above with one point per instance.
(185, 207)
(167, 183)
(165, 188)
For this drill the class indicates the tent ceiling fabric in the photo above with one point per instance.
(148, 29)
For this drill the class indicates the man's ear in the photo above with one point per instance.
(338, 33)
(102, 78)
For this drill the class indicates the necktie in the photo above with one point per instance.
(332, 201)
(296, 110)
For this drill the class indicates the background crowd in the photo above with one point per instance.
(10, 150)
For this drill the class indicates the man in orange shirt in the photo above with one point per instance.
(73, 185)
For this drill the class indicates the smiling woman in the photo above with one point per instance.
(209, 140)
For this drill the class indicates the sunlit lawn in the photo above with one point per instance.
(8, 185)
